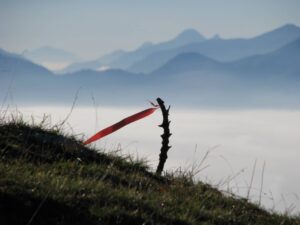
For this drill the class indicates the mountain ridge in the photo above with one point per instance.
(127, 58)
(50, 57)
(272, 74)
(224, 49)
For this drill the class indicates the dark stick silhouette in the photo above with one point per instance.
(165, 136)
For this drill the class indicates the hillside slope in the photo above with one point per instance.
(47, 178)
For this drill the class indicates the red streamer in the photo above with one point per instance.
(119, 125)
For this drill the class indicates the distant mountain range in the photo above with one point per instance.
(97, 64)
(13, 65)
(150, 57)
(123, 60)
(285, 61)
(51, 58)
(265, 76)
(223, 49)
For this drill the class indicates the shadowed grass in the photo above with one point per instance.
(48, 178)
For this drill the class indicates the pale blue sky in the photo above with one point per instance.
(91, 28)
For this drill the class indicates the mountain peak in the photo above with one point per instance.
(191, 35)
(187, 62)
(287, 29)
(283, 35)
(289, 26)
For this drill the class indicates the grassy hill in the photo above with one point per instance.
(48, 178)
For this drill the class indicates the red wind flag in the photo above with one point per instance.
(120, 124)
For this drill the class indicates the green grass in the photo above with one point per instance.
(49, 178)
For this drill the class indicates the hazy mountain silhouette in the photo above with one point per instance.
(123, 60)
(285, 61)
(200, 80)
(30, 83)
(222, 49)
(25, 80)
(52, 58)
(93, 64)
(270, 79)
(16, 65)
(189, 62)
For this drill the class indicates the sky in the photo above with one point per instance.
(91, 28)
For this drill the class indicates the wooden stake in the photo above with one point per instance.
(165, 136)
